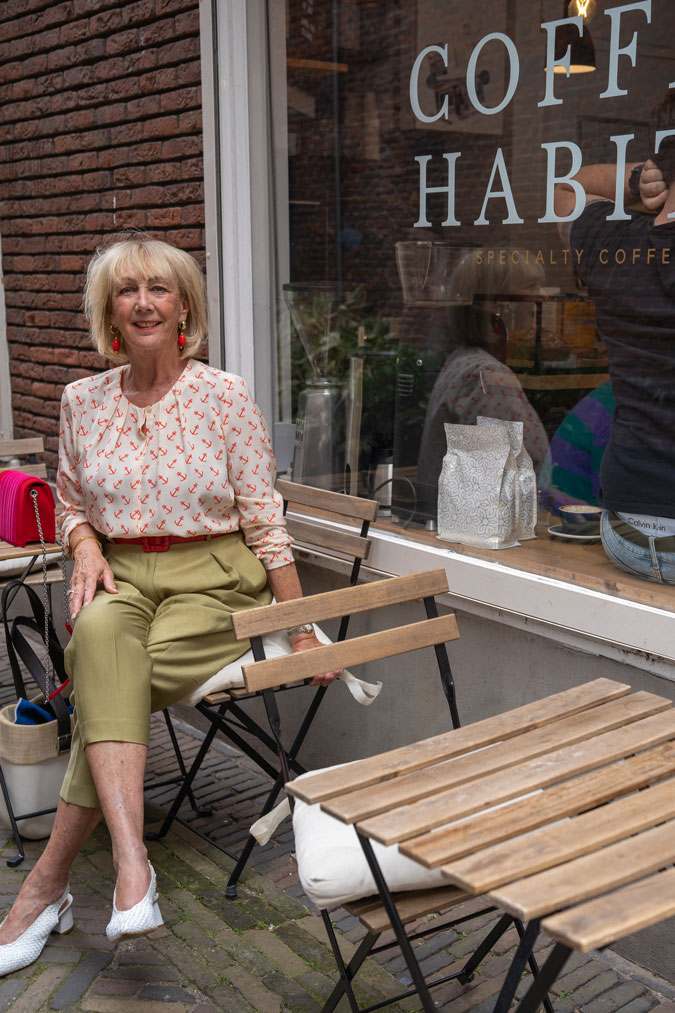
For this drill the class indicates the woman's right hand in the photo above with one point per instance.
(90, 570)
(653, 190)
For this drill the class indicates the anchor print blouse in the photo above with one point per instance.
(198, 461)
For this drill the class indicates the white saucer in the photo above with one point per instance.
(566, 536)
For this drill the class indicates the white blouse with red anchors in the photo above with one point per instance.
(198, 461)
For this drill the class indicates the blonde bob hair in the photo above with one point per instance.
(142, 257)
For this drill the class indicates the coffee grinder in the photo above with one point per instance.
(434, 275)
(319, 454)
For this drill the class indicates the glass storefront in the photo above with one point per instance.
(421, 275)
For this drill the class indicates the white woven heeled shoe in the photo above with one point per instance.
(139, 919)
(58, 917)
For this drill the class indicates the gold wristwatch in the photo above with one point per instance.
(295, 631)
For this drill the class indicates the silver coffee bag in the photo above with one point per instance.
(526, 491)
(477, 488)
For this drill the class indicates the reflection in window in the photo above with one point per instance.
(393, 152)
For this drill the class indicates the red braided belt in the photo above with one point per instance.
(160, 543)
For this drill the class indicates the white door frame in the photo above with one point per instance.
(238, 192)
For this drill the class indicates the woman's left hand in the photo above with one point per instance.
(307, 642)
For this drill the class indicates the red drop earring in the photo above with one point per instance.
(181, 336)
(116, 344)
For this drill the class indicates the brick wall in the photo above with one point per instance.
(100, 113)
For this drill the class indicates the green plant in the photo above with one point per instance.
(348, 320)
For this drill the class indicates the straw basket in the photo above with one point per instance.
(33, 771)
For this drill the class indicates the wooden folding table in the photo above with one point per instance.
(541, 807)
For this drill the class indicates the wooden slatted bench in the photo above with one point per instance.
(266, 676)
(32, 448)
(378, 783)
(406, 759)
(417, 818)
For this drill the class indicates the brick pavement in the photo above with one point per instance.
(267, 951)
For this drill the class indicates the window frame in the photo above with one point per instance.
(245, 213)
(238, 207)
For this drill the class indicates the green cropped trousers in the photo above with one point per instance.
(167, 630)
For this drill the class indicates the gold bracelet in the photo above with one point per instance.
(87, 538)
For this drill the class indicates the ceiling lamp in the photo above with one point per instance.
(586, 8)
(581, 48)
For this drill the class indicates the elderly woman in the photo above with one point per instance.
(166, 474)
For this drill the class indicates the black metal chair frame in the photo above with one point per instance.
(524, 953)
(553, 965)
(538, 990)
(182, 776)
(231, 720)
(422, 987)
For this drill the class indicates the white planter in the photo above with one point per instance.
(33, 770)
(31, 787)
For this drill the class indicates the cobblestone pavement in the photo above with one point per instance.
(266, 951)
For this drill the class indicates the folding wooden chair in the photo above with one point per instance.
(224, 700)
(424, 892)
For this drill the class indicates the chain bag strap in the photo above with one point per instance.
(45, 594)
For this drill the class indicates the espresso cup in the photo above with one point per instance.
(579, 518)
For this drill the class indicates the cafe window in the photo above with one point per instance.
(422, 278)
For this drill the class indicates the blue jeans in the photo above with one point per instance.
(648, 562)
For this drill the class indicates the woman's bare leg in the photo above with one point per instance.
(48, 879)
(118, 769)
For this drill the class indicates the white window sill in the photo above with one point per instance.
(585, 619)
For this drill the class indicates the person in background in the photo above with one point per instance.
(571, 471)
(628, 268)
(475, 379)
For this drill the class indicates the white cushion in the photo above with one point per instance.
(276, 645)
(331, 864)
(14, 567)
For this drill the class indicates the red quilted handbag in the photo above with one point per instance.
(27, 509)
